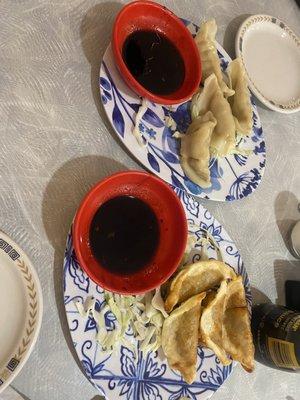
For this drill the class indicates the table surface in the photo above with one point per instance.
(56, 143)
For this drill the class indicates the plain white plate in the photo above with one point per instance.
(270, 52)
(21, 306)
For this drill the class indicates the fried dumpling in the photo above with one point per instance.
(211, 98)
(211, 324)
(194, 149)
(210, 296)
(237, 336)
(206, 43)
(180, 337)
(236, 294)
(240, 102)
(196, 278)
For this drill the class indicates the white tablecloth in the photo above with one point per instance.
(56, 142)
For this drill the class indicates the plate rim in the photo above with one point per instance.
(29, 340)
(243, 29)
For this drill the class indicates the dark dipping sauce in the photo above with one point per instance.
(154, 61)
(124, 235)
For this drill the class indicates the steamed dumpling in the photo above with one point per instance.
(196, 278)
(180, 337)
(194, 149)
(240, 101)
(206, 43)
(211, 98)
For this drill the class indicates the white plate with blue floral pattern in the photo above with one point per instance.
(120, 376)
(233, 177)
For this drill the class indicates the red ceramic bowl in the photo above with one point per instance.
(172, 223)
(147, 15)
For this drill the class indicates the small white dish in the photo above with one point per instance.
(21, 309)
(270, 52)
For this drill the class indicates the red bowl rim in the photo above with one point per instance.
(76, 234)
(141, 90)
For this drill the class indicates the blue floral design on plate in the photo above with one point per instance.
(161, 154)
(119, 376)
(73, 267)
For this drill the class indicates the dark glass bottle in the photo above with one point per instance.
(276, 335)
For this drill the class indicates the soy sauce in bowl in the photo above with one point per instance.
(152, 233)
(154, 61)
(155, 53)
(124, 234)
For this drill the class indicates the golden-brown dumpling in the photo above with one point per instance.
(211, 98)
(240, 102)
(236, 294)
(206, 43)
(210, 296)
(196, 278)
(180, 337)
(237, 336)
(194, 149)
(211, 326)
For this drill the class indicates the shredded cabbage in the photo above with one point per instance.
(206, 241)
(177, 135)
(235, 150)
(144, 315)
(190, 244)
(170, 123)
(241, 152)
(86, 308)
(158, 303)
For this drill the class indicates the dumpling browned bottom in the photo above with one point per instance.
(180, 337)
